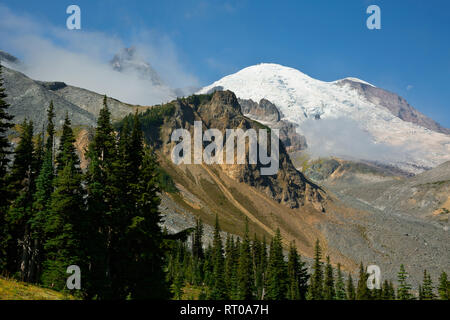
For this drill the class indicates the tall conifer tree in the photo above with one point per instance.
(245, 269)
(404, 288)
(277, 278)
(328, 288)
(351, 295)
(5, 152)
(21, 187)
(101, 155)
(298, 276)
(362, 292)
(315, 291)
(444, 287)
(218, 290)
(340, 286)
(427, 286)
(65, 222)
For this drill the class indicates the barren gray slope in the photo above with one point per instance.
(29, 99)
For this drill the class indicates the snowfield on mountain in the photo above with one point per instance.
(338, 120)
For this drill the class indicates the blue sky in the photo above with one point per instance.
(327, 40)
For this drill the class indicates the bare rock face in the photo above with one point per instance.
(264, 110)
(397, 105)
(267, 113)
(221, 110)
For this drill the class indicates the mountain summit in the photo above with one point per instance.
(128, 60)
(348, 118)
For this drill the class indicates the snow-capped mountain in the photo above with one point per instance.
(347, 118)
(128, 60)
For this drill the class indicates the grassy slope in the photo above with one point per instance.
(15, 290)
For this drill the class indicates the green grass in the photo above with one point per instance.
(15, 290)
(191, 292)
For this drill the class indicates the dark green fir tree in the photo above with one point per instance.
(277, 277)
(444, 287)
(218, 289)
(245, 268)
(315, 291)
(350, 288)
(5, 152)
(329, 292)
(404, 288)
(340, 285)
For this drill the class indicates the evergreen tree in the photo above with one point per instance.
(5, 151)
(144, 238)
(329, 292)
(386, 294)
(263, 263)
(39, 154)
(218, 290)
(391, 291)
(101, 155)
(298, 275)
(41, 198)
(403, 291)
(197, 242)
(64, 228)
(427, 287)
(41, 207)
(21, 187)
(256, 261)
(208, 266)
(444, 287)
(229, 263)
(277, 278)
(65, 220)
(5, 147)
(177, 285)
(351, 295)
(50, 128)
(421, 295)
(245, 269)
(234, 291)
(66, 151)
(362, 292)
(197, 252)
(316, 280)
(340, 285)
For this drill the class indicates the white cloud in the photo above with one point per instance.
(409, 87)
(81, 58)
(342, 137)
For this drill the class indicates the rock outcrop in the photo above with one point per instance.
(221, 110)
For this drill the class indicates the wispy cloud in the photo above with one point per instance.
(409, 87)
(344, 138)
(81, 58)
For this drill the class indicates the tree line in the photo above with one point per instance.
(105, 220)
(244, 269)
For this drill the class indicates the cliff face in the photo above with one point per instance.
(266, 112)
(221, 110)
